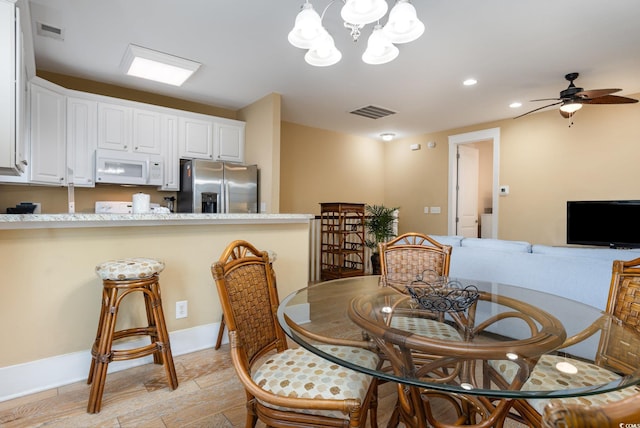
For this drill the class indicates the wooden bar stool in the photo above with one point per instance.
(121, 278)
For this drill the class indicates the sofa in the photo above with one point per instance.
(578, 273)
(581, 274)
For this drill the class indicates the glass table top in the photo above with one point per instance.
(435, 336)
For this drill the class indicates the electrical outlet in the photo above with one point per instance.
(181, 309)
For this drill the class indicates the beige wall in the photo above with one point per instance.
(325, 166)
(263, 146)
(544, 161)
(51, 295)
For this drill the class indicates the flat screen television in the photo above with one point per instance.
(614, 224)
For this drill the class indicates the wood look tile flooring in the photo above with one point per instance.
(209, 395)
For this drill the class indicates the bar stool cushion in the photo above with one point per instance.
(129, 268)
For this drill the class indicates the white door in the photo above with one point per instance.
(467, 215)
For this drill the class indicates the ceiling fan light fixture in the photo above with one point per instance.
(403, 25)
(379, 49)
(570, 107)
(388, 136)
(363, 11)
(157, 66)
(307, 29)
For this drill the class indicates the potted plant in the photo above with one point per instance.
(379, 227)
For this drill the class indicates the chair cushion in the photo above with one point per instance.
(131, 268)
(426, 327)
(300, 373)
(545, 377)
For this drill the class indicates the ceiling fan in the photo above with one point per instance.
(572, 98)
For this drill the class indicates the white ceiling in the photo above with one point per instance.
(518, 50)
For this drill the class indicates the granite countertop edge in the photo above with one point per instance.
(35, 221)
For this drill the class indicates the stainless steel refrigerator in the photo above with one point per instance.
(217, 187)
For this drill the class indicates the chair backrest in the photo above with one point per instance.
(249, 297)
(624, 304)
(624, 293)
(409, 255)
(558, 414)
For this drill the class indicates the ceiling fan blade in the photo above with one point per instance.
(547, 99)
(610, 99)
(539, 108)
(596, 93)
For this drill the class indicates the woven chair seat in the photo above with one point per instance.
(299, 373)
(545, 377)
(131, 268)
(426, 327)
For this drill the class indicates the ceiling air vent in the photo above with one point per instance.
(373, 112)
(47, 30)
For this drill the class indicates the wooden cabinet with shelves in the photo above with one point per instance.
(342, 240)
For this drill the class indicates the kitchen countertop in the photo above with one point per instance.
(52, 221)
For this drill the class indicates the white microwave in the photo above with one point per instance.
(113, 166)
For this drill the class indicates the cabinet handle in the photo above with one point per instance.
(24, 161)
(124, 147)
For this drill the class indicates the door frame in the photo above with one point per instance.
(492, 134)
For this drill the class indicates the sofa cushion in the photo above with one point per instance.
(454, 241)
(497, 244)
(609, 254)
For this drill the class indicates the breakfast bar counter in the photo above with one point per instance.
(51, 294)
(39, 221)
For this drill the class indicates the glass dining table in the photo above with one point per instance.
(480, 344)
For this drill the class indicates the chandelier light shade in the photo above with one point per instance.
(363, 12)
(379, 49)
(402, 26)
(308, 28)
(324, 53)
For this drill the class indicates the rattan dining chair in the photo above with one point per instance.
(623, 413)
(285, 387)
(623, 304)
(407, 256)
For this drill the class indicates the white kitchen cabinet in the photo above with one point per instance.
(195, 136)
(228, 140)
(13, 153)
(82, 138)
(48, 136)
(146, 131)
(171, 171)
(114, 126)
(124, 128)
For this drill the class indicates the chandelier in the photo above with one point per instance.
(403, 26)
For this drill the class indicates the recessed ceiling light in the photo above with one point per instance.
(157, 66)
(469, 82)
(387, 136)
(515, 104)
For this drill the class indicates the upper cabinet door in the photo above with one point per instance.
(114, 126)
(228, 140)
(48, 136)
(82, 137)
(195, 137)
(171, 159)
(146, 132)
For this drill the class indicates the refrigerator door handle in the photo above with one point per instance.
(226, 197)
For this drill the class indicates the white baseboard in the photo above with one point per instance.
(41, 375)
